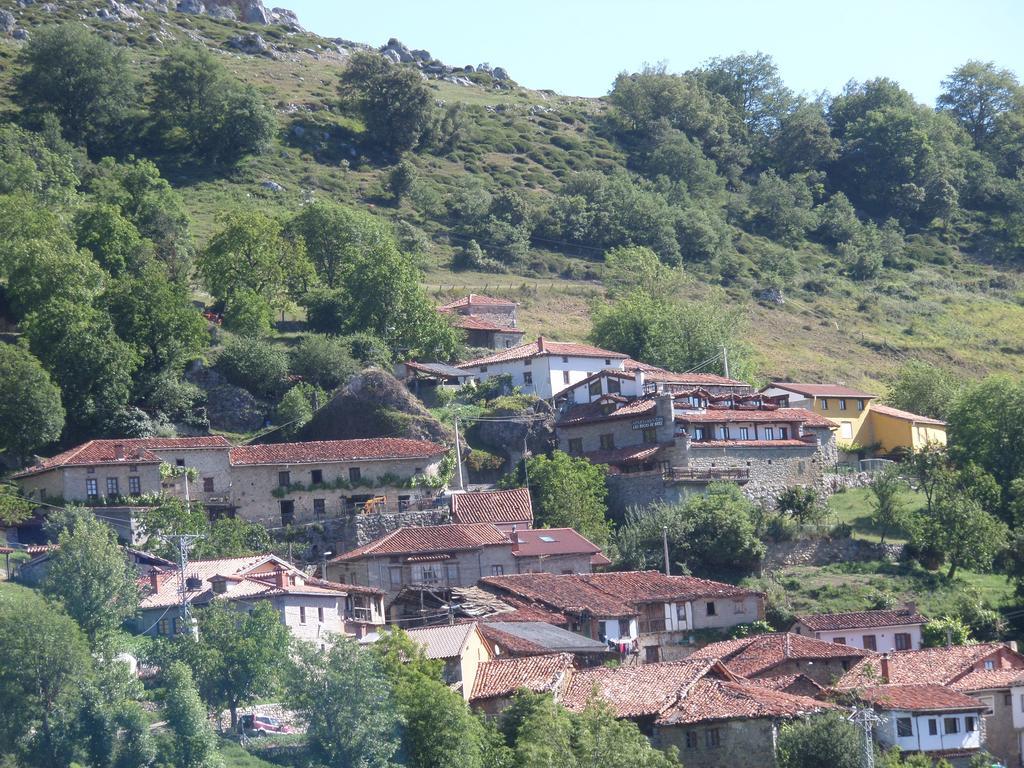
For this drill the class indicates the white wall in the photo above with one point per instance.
(921, 740)
(547, 372)
(885, 637)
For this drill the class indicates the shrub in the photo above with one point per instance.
(324, 361)
(255, 365)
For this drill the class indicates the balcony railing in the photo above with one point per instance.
(706, 475)
(361, 614)
(650, 626)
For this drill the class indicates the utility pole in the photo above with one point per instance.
(458, 454)
(664, 543)
(725, 360)
(526, 466)
(866, 718)
(184, 542)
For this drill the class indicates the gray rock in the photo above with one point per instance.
(392, 55)
(469, 68)
(223, 12)
(123, 12)
(20, 34)
(191, 6)
(421, 55)
(253, 12)
(286, 18)
(499, 73)
(253, 44)
(7, 22)
(273, 186)
(772, 296)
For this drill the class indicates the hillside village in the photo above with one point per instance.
(473, 426)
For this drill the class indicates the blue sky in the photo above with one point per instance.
(578, 46)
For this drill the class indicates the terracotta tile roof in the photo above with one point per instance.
(821, 390)
(987, 679)
(321, 451)
(896, 413)
(540, 542)
(503, 677)
(587, 413)
(713, 700)
(654, 586)
(656, 374)
(508, 506)
(540, 347)
(476, 299)
(631, 454)
(750, 656)
(798, 685)
(474, 323)
(168, 595)
(827, 622)
(941, 666)
(428, 538)
(635, 691)
(918, 698)
(443, 642)
(133, 451)
(751, 444)
(761, 415)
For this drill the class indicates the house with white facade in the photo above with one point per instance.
(882, 631)
(544, 367)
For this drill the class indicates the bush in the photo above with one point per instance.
(248, 314)
(324, 361)
(255, 365)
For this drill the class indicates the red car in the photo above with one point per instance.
(261, 725)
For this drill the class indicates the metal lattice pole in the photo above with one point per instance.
(184, 542)
(866, 718)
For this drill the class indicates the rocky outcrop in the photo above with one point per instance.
(248, 11)
(7, 22)
(398, 52)
(535, 431)
(252, 44)
(228, 407)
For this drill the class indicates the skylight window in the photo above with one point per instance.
(548, 539)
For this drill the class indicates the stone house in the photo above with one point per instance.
(636, 379)
(544, 367)
(666, 446)
(782, 654)
(486, 320)
(993, 673)
(458, 555)
(506, 510)
(644, 616)
(882, 631)
(314, 610)
(462, 648)
(295, 483)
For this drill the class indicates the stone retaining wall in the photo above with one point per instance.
(827, 552)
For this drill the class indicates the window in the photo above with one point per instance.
(723, 433)
(711, 610)
(1022, 702)
(179, 462)
(164, 627)
(972, 723)
(451, 573)
(527, 378)
(869, 643)
(990, 665)
(284, 479)
(624, 628)
(565, 358)
(354, 474)
(594, 388)
(652, 654)
(783, 433)
(607, 361)
(134, 485)
(614, 386)
(483, 369)
(824, 405)
(744, 433)
(904, 727)
(565, 377)
(575, 446)
(426, 574)
(528, 361)
(316, 476)
(320, 614)
(607, 441)
(1007, 701)
(933, 727)
(691, 739)
(769, 433)
(839, 640)
(207, 485)
(950, 725)
(112, 486)
(842, 405)
(507, 343)
(287, 512)
(712, 738)
(846, 430)
(739, 606)
(319, 508)
(902, 641)
(302, 614)
(133, 467)
(650, 436)
(395, 576)
(698, 433)
(860, 405)
(91, 488)
(681, 612)
(497, 570)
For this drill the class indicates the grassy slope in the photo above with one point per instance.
(948, 314)
(854, 507)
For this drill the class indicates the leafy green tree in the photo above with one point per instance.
(752, 84)
(31, 412)
(804, 141)
(863, 253)
(600, 736)
(348, 704)
(567, 492)
(401, 179)
(976, 94)
(47, 270)
(335, 236)
(369, 349)
(945, 631)
(29, 166)
(111, 238)
(44, 666)
(888, 508)
(837, 220)
(249, 314)
(393, 101)
(295, 409)
(324, 361)
(91, 576)
(681, 159)
(821, 740)
(801, 503)
(195, 743)
(13, 508)
(84, 80)
(782, 208)
(923, 388)
(254, 364)
(233, 537)
(629, 268)
(78, 346)
(961, 531)
(225, 537)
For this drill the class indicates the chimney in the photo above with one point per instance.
(154, 580)
(540, 343)
(281, 578)
(885, 668)
(118, 451)
(470, 298)
(910, 608)
(514, 537)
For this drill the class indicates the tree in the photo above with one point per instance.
(254, 364)
(348, 704)
(923, 388)
(959, 529)
(195, 743)
(802, 504)
(828, 739)
(225, 537)
(393, 101)
(976, 94)
(47, 270)
(401, 179)
(804, 141)
(13, 508)
(782, 208)
(335, 237)
(888, 510)
(567, 492)
(249, 314)
(324, 361)
(31, 412)
(29, 166)
(751, 83)
(629, 268)
(111, 238)
(82, 79)
(944, 631)
(295, 409)
(91, 576)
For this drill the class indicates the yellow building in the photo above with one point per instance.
(861, 419)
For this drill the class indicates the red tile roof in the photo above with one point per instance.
(635, 691)
(429, 538)
(474, 323)
(476, 299)
(586, 413)
(919, 698)
(540, 347)
(631, 454)
(656, 374)
(713, 700)
(133, 451)
(322, 451)
(896, 413)
(167, 579)
(828, 622)
(508, 506)
(751, 444)
(798, 685)
(654, 586)
(785, 415)
(821, 390)
(987, 679)
(750, 656)
(503, 677)
(540, 542)
(942, 666)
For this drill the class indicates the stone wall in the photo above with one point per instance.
(639, 489)
(772, 470)
(726, 744)
(826, 552)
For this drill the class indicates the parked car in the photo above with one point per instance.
(261, 725)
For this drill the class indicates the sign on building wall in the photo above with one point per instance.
(654, 421)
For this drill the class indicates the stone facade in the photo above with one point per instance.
(724, 744)
(827, 551)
